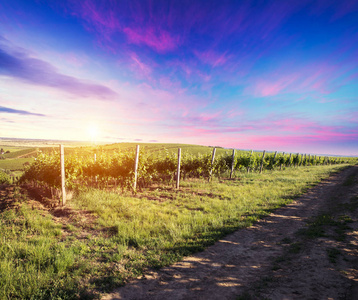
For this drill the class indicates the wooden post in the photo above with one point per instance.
(283, 154)
(136, 168)
(212, 163)
(232, 163)
(301, 159)
(178, 170)
(63, 187)
(262, 161)
(248, 167)
(289, 160)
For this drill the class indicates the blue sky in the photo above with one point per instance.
(273, 75)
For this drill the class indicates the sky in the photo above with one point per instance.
(262, 75)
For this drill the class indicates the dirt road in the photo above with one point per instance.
(305, 250)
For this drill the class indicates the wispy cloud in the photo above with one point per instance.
(156, 38)
(17, 111)
(129, 19)
(323, 77)
(17, 63)
(212, 58)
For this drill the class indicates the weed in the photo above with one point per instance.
(345, 219)
(333, 254)
(286, 240)
(295, 248)
(315, 228)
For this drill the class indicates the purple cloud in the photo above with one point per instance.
(17, 111)
(20, 65)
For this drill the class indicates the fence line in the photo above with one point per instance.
(159, 169)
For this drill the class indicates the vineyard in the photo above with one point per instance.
(116, 168)
(110, 233)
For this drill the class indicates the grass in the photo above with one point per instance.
(14, 164)
(333, 254)
(129, 233)
(33, 263)
(15, 152)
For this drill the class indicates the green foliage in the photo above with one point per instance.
(4, 178)
(117, 168)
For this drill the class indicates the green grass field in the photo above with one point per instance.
(14, 164)
(110, 237)
(16, 152)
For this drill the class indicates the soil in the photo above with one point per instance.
(305, 250)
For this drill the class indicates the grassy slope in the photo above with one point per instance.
(42, 259)
(15, 152)
(14, 164)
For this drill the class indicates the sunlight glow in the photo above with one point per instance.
(93, 132)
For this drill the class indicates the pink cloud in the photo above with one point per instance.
(272, 88)
(156, 38)
(139, 67)
(205, 117)
(212, 58)
(313, 143)
(234, 113)
(109, 18)
(157, 104)
(287, 78)
(301, 141)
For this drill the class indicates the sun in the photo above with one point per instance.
(93, 132)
